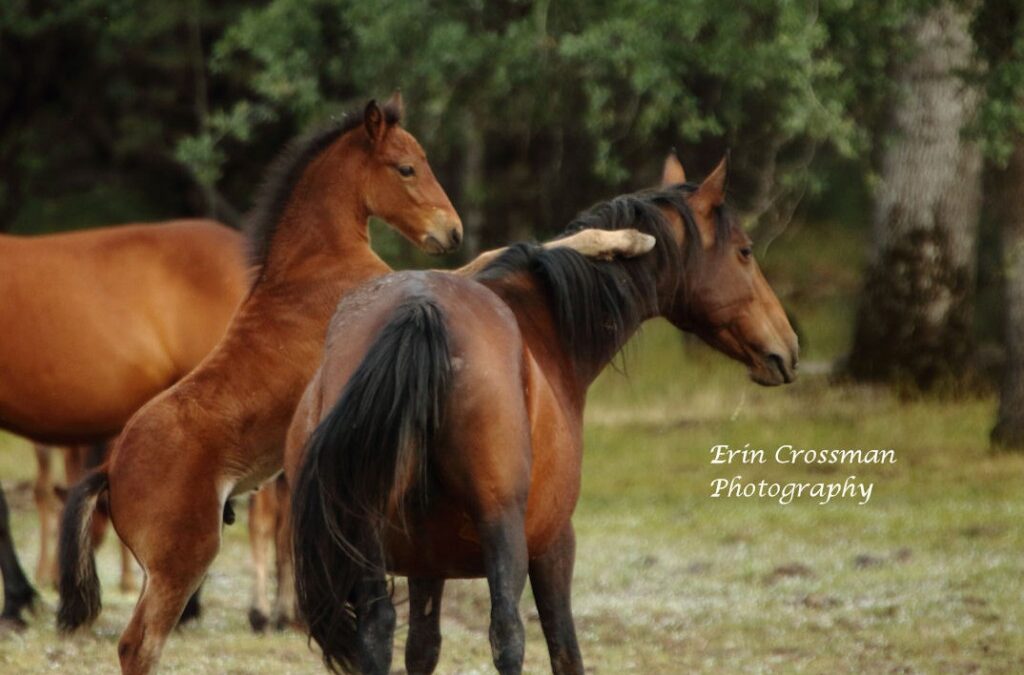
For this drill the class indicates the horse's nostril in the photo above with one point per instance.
(456, 236)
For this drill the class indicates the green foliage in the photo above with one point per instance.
(564, 102)
(999, 34)
(204, 154)
(596, 90)
(97, 91)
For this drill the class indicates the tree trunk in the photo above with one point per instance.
(914, 323)
(1008, 207)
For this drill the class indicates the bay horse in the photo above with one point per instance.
(98, 322)
(220, 431)
(444, 426)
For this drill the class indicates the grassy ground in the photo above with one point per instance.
(926, 577)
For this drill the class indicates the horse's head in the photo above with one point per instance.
(726, 299)
(399, 185)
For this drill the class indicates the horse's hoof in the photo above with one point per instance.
(283, 622)
(12, 624)
(258, 620)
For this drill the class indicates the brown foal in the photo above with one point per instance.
(220, 431)
(442, 434)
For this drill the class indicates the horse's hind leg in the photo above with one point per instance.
(551, 580)
(375, 620)
(170, 582)
(284, 603)
(175, 535)
(128, 583)
(505, 558)
(423, 647)
(18, 592)
(261, 526)
(163, 598)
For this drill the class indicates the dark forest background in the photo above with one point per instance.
(898, 120)
(114, 110)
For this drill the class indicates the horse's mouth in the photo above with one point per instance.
(435, 246)
(432, 246)
(772, 370)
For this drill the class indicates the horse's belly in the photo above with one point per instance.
(51, 413)
(446, 543)
(70, 390)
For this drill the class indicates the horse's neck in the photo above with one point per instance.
(532, 308)
(319, 251)
(307, 284)
(325, 219)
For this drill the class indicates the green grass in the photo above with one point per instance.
(926, 577)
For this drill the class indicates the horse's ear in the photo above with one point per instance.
(672, 173)
(711, 193)
(373, 121)
(395, 105)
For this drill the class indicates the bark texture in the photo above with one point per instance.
(914, 323)
(1008, 206)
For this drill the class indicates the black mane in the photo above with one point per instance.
(597, 304)
(284, 173)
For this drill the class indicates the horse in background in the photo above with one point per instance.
(49, 500)
(442, 434)
(97, 323)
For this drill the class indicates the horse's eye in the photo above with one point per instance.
(746, 252)
(406, 170)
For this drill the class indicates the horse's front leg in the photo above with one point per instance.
(18, 592)
(48, 508)
(423, 647)
(551, 580)
(503, 540)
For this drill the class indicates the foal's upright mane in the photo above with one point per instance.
(284, 173)
(598, 304)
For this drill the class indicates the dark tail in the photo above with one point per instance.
(79, 585)
(366, 456)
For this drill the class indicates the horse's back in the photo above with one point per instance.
(101, 320)
(482, 332)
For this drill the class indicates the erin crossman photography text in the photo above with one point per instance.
(823, 492)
